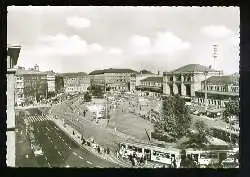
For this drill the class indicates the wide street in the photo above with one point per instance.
(58, 149)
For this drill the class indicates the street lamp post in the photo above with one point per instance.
(205, 83)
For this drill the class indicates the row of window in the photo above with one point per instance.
(164, 155)
(151, 84)
(234, 89)
(178, 78)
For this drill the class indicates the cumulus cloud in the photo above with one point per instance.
(165, 43)
(64, 45)
(78, 22)
(216, 32)
(168, 43)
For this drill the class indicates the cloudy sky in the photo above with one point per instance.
(72, 39)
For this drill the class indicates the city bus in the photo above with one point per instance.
(206, 157)
(151, 153)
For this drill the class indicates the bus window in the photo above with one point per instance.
(166, 155)
(213, 155)
(139, 150)
(203, 156)
(154, 153)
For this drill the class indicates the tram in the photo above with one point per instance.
(168, 155)
(151, 153)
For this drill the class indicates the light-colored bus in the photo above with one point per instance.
(206, 157)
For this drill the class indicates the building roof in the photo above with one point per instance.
(112, 70)
(223, 80)
(153, 79)
(78, 74)
(193, 68)
(29, 72)
(49, 72)
(144, 71)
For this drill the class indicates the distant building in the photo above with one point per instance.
(51, 80)
(186, 80)
(135, 79)
(151, 85)
(76, 82)
(12, 57)
(113, 79)
(220, 89)
(31, 86)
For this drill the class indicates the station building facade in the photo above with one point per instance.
(186, 80)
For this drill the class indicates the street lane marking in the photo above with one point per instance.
(80, 157)
(49, 164)
(89, 162)
(75, 153)
(98, 166)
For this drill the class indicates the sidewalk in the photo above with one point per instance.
(69, 131)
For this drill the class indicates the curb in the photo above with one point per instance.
(108, 158)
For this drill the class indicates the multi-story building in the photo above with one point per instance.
(135, 79)
(12, 57)
(31, 86)
(51, 80)
(220, 89)
(76, 82)
(113, 79)
(151, 85)
(186, 80)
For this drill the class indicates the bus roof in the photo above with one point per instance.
(151, 146)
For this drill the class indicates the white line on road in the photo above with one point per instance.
(89, 162)
(98, 166)
(49, 164)
(75, 153)
(80, 157)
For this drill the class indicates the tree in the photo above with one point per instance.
(97, 91)
(175, 116)
(87, 97)
(176, 119)
(197, 139)
(232, 108)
